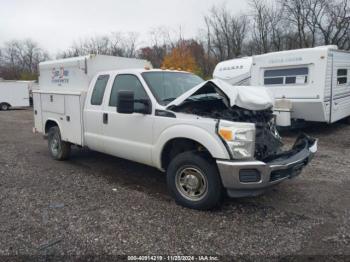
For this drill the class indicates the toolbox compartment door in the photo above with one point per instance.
(63, 108)
(38, 120)
(52, 103)
(72, 120)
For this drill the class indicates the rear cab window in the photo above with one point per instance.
(287, 76)
(99, 90)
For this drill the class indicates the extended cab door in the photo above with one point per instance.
(128, 136)
(94, 115)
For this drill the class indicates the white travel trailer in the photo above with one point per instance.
(310, 84)
(14, 94)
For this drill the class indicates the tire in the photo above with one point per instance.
(193, 180)
(347, 120)
(4, 106)
(59, 149)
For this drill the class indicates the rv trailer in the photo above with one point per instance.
(310, 84)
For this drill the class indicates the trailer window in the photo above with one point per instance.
(99, 90)
(290, 76)
(342, 76)
(127, 83)
(274, 81)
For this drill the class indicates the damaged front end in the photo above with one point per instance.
(212, 101)
(262, 162)
(267, 140)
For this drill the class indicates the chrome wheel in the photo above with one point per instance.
(191, 183)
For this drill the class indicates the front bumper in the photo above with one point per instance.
(251, 178)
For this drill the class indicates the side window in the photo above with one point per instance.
(342, 76)
(290, 76)
(99, 90)
(127, 83)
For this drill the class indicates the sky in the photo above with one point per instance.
(56, 24)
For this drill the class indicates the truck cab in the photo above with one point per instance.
(208, 137)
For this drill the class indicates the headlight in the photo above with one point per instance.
(239, 137)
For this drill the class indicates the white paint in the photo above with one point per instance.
(15, 93)
(76, 73)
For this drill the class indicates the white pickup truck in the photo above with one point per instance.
(209, 137)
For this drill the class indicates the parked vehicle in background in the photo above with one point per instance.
(209, 137)
(311, 84)
(14, 94)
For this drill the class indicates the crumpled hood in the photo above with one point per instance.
(248, 97)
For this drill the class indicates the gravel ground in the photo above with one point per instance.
(96, 204)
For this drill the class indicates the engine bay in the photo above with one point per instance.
(268, 142)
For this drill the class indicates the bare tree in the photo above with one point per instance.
(20, 59)
(116, 44)
(225, 33)
(334, 24)
(261, 26)
(297, 14)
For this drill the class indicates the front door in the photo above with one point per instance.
(128, 136)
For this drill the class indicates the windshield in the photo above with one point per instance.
(167, 86)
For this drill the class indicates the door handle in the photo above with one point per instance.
(105, 118)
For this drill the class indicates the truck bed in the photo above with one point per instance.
(64, 108)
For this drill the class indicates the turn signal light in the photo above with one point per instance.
(226, 134)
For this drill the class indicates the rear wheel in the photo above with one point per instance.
(59, 149)
(4, 106)
(194, 181)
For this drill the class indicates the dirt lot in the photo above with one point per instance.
(97, 204)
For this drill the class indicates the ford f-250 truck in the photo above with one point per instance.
(209, 137)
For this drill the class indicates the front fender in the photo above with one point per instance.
(210, 141)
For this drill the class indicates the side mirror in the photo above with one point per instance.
(125, 102)
(146, 107)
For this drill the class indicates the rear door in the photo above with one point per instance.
(94, 116)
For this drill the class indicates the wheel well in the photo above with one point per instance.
(180, 145)
(49, 124)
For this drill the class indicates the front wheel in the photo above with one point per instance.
(4, 107)
(59, 149)
(194, 181)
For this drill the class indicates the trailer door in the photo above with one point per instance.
(340, 86)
